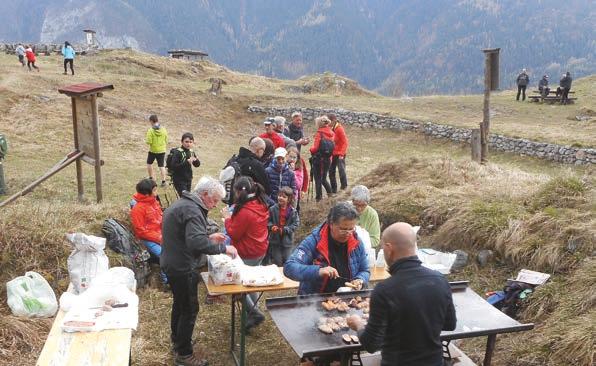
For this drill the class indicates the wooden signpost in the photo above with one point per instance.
(87, 146)
(491, 82)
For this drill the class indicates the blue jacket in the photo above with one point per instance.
(279, 177)
(68, 52)
(313, 254)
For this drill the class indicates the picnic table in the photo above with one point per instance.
(550, 98)
(296, 318)
(239, 293)
(109, 347)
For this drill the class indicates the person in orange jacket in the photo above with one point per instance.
(338, 160)
(321, 157)
(146, 218)
(30, 58)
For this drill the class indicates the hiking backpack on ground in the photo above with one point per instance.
(121, 240)
(228, 176)
(326, 147)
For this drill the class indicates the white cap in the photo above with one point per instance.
(280, 151)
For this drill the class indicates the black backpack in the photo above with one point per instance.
(169, 167)
(228, 175)
(121, 240)
(326, 147)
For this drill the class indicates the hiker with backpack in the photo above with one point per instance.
(146, 219)
(251, 166)
(321, 152)
(180, 162)
(279, 174)
(157, 139)
(283, 222)
(338, 159)
(247, 227)
(271, 134)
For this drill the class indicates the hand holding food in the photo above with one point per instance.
(328, 272)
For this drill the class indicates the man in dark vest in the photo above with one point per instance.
(522, 82)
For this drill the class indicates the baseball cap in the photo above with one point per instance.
(280, 151)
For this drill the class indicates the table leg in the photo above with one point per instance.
(243, 318)
(345, 359)
(490, 347)
(233, 325)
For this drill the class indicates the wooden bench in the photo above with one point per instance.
(105, 348)
(549, 98)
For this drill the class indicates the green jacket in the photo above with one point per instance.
(157, 139)
(369, 220)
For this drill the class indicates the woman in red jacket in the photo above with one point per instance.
(30, 58)
(146, 218)
(321, 158)
(247, 227)
(338, 160)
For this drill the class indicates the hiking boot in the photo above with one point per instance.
(253, 321)
(189, 360)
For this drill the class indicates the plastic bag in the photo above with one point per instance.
(31, 295)
(381, 259)
(261, 276)
(87, 260)
(224, 270)
(436, 260)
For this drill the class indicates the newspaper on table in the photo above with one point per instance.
(532, 277)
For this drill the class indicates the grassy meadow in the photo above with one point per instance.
(532, 213)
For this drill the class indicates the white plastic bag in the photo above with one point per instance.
(436, 260)
(117, 276)
(261, 276)
(381, 259)
(31, 295)
(224, 270)
(87, 260)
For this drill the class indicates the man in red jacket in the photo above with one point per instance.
(146, 218)
(271, 134)
(338, 161)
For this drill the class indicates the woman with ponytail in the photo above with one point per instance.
(247, 228)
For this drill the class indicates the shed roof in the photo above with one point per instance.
(188, 52)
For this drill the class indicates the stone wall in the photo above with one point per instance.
(40, 48)
(559, 153)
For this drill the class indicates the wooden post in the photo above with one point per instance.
(165, 69)
(79, 164)
(97, 148)
(485, 126)
(476, 147)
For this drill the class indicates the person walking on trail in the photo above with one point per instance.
(321, 157)
(565, 86)
(246, 225)
(408, 310)
(522, 82)
(146, 219)
(338, 159)
(31, 59)
(283, 223)
(271, 134)
(69, 54)
(296, 131)
(248, 160)
(280, 174)
(20, 52)
(185, 239)
(543, 86)
(157, 139)
(181, 163)
(369, 218)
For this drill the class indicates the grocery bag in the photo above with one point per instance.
(31, 296)
(87, 260)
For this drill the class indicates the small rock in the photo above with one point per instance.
(461, 260)
(484, 256)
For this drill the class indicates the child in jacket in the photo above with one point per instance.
(283, 222)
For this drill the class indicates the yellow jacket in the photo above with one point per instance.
(157, 139)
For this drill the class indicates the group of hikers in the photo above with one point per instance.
(28, 53)
(523, 80)
(263, 186)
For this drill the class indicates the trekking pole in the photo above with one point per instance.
(310, 188)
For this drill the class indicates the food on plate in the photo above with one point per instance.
(355, 339)
(343, 307)
(110, 302)
(346, 338)
(334, 327)
(351, 285)
(325, 329)
(358, 298)
(77, 323)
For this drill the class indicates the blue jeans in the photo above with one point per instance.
(155, 250)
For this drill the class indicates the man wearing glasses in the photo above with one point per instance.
(331, 255)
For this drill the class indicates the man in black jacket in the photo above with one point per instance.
(409, 310)
(565, 86)
(522, 82)
(182, 161)
(250, 165)
(185, 239)
(296, 131)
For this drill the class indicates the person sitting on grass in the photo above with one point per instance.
(283, 222)
(146, 218)
(157, 139)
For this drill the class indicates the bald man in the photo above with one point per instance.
(250, 165)
(409, 310)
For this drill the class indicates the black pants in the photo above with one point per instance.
(320, 171)
(181, 185)
(185, 309)
(521, 89)
(31, 63)
(340, 165)
(564, 95)
(71, 62)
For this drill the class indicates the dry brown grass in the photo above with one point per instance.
(419, 180)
